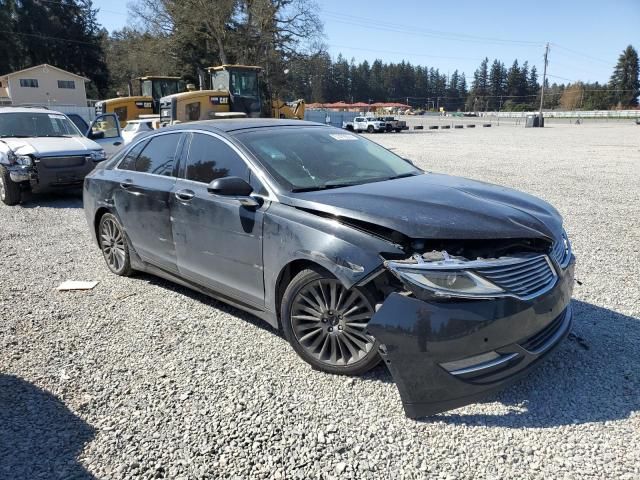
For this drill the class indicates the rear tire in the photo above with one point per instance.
(9, 190)
(325, 323)
(114, 246)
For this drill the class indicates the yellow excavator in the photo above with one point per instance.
(131, 107)
(236, 91)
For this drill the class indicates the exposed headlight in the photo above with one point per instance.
(24, 160)
(461, 283)
(98, 155)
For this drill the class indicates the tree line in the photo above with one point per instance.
(65, 34)
(285, 37)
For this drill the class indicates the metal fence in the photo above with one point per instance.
(329, 117)
(604, 114)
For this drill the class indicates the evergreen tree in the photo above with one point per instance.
(626, 78)
(462, 89)
(497, 85)
(480, 87)
(513, 82)
(63, 34)
(532, 82)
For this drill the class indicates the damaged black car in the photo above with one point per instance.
(459, 286)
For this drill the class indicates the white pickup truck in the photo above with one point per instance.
(365, 124)
(394, 125)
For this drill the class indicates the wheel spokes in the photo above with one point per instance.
(329, 322)
(113, 247)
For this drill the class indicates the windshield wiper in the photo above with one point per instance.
(403, 175)
(321, 187)
(329, 185)
(15, 136)
(56, 136)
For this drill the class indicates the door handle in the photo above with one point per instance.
(126, 184)
(185, 195)
(117, 144)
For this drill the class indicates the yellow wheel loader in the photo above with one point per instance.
(132, 107)
(236, 91)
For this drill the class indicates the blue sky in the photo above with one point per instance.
(587, 36)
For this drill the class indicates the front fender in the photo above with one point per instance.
(292, 234)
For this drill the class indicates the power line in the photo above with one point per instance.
(47, 37)
(402, 53)
(575, 52)
(64, 4)
(369, 22)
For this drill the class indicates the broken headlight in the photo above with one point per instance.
(24, 160)
(445, 277)
(461, 283)
(98, 155)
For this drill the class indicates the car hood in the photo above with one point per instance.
(50, 146)
(435, 206)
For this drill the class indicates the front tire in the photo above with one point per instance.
(9, 190)
(326, 323)
(113, 244)
(370, 129)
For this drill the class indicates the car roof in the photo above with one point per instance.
(236, 124)
(27, 110)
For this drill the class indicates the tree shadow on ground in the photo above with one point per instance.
(67, 199)
(593, 376)
(39, 436)
(210, 301)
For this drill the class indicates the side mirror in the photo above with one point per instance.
(95, 135)
(233, 187)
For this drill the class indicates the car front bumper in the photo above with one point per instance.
(53, 173)
(446, 354)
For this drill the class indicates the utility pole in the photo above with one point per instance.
(544, 79)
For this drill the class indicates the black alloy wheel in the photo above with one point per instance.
(114, 245)
(326, 323)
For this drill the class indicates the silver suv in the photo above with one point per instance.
(43, 150)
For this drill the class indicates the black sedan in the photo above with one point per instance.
(356, 254)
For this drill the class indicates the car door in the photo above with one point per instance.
(105, 131)
(218, 240)
(146, 177)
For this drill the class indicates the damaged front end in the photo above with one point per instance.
(463, 326)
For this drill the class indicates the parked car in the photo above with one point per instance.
(43, 150)
(394, 125)
(138, 127)
(365, 124)
(355, 253)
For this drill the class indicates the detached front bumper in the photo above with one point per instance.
(443, 355)
(53, 173)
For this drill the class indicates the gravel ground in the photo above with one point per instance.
(139, 378)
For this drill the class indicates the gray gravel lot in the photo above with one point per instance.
(139, 378)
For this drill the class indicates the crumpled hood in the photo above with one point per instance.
(435, 206)
(51, 146)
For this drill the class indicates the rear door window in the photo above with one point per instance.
(159, 155)
(129, 161)
(211, 158)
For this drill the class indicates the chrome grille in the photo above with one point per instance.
(560, 252)
(62, 162)
(540, 341)
(526, 277)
